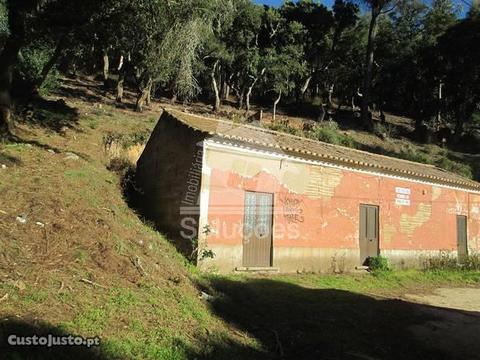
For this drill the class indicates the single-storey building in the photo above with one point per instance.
(259, 199)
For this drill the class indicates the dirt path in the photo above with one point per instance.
(456, 325)
(467, 299)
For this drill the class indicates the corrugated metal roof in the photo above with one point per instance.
(317, 150)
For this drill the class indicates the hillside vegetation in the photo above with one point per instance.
(76, 259)
(82, 85)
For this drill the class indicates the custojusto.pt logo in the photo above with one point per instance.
(51, 340)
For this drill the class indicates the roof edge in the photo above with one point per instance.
(468, 184)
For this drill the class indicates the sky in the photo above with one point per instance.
(329, 3)
(280, 2)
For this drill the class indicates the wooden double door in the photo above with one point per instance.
(462, 245)
(257, 230)
(369, 233)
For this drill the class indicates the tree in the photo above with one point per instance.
(318, 23)
(243, 44)
(18, 12)
(460, 53)
(376, 8)
(284, 60)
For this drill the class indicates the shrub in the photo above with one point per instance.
(416, 156)
(119, 165)
(3, 21)
(444, 261)
(384, 130)
(379, 263)
(284, 127)
(330, 134)
(471, 262)
(30, 69)
(122, 146)
(461, 169)
(317, 101)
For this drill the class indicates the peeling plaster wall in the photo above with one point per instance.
(316, 213)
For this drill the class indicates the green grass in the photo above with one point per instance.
(387, 280)
(33, 297)
(90, 321)
(81, 256)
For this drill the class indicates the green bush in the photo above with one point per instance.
(471, 262)
(285, 127)
(3, 21)
(444, 261)
(125, 140)
(476, 118)
(331, 134)
(384, 130)
(461, 169)
(30, 69)
(379, 263)
(416, 156)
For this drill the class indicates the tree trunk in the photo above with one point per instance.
(247, 99)
(305, 86)
(241, 97)
(143, 95)
(148, 100)
(106, 67)
(120, 63)
(227, 92)
(122, 69)
(250, 89)
(438, 118)
(17, 14)
(330, 95)
(367, 79)
(216, 106)
(321, 113)
(228, 87)
(275, 103)
(5, 109)
(121, 79)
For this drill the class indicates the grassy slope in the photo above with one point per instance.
(90, 233)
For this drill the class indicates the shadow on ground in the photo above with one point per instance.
(9, 160)
(89, 91)
(50, 114)
(14, 326)
(210, 349)
(293, 322)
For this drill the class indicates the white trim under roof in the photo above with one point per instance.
(234, 148)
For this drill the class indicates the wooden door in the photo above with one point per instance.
(369, 232)
(462, 246)
(257, 231)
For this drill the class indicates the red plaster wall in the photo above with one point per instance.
(333, 222)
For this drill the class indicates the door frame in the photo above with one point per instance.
(271, 227)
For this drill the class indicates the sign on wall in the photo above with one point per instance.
(402, 196)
